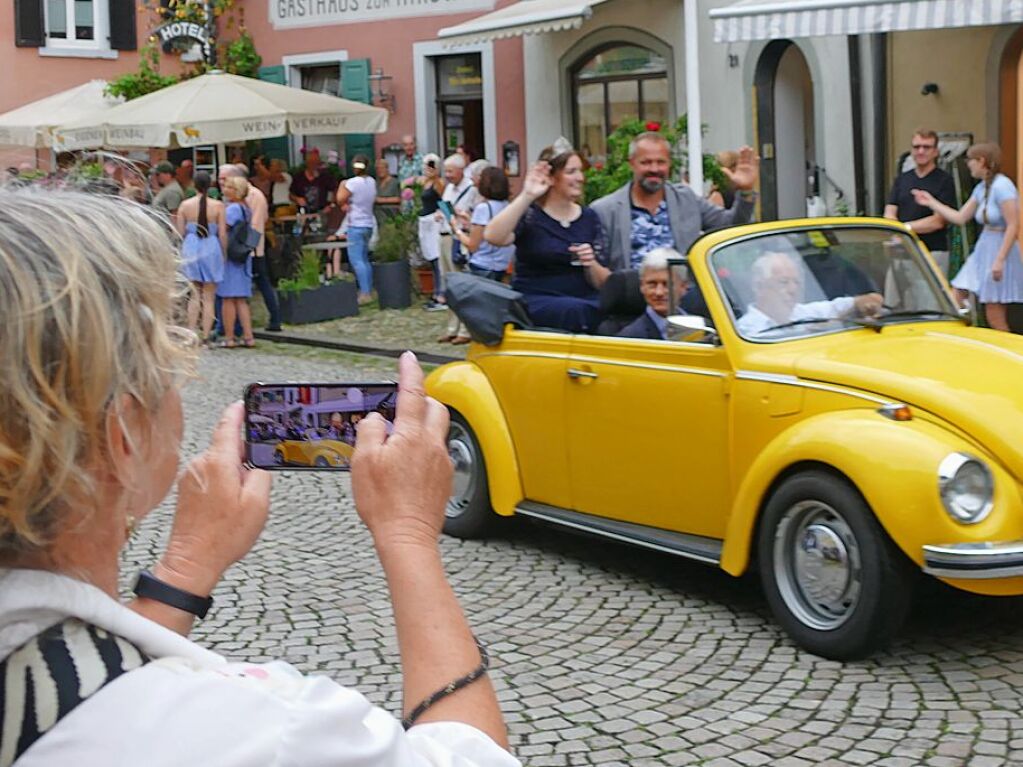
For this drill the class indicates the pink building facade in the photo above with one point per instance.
(384, 51)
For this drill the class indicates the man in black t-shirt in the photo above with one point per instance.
(314, 188)
(929, 226)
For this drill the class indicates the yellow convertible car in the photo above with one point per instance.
(317, 449)
(824, 414)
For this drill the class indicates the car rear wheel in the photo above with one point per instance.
(835, 581)
(321, 462)
(468, 513)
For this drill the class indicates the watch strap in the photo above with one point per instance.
(149, 586)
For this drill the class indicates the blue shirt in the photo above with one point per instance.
(1002, 190)
(487, 256)
(650, 231)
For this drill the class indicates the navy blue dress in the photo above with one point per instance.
(556, 293)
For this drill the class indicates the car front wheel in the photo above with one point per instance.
(835, 581)
(468, 513)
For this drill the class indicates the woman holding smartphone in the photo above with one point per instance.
(430, 226)
(558, 243)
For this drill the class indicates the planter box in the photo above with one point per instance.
(327, 302)
(393, 284)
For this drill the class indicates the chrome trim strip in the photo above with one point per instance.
(579, 521)
(972, 561)
(650, 366)
(791, 380)
(543, 355)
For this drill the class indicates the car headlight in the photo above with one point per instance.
(967, 488)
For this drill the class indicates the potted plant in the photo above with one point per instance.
(307, 298)
(397, 238)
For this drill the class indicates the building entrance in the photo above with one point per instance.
(460, 103)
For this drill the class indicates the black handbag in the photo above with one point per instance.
(242, 240)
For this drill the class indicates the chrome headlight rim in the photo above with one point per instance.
(948, 470)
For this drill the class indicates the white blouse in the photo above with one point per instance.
(190, 706)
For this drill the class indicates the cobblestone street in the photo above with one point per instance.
(603, 654)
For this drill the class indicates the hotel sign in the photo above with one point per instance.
(185, 31)
(288, 14)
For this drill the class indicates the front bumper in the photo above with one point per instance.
(974, 560)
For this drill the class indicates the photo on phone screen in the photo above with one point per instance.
(310, 426)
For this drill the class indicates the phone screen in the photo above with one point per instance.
(310, 426)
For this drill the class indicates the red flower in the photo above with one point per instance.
(653, 126)
(724, 273)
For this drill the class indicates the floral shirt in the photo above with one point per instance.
(409, 167)
(650, 231)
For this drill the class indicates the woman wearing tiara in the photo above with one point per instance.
(559, 263)
(994, 271)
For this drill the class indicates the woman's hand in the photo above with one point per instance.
(538, 180)
(584, 254)
(402, 483)
(923, 197)
(998, 269)
(222, 508)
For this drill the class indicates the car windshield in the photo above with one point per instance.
(807, 282)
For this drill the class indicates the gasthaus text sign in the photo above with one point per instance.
(285, 14)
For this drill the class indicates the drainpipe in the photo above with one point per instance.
(856, 94)
(695, 138)
(879, 67)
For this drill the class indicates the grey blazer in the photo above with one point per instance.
(689, 215)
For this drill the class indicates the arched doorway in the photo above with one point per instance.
(785, 129)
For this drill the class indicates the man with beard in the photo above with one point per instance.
(649, 212)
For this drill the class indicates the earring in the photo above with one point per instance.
(129, 526)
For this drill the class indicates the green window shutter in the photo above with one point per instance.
(28, 24)
(123, 35)
(274, 147)
(355, 87)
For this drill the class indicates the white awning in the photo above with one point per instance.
(526, 17)
(783, 19)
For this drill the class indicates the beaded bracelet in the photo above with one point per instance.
(452, 687)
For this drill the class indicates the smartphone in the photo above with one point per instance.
(446, 209)
(310, 426)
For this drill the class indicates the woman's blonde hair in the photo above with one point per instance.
(238, 185)
(88, 294)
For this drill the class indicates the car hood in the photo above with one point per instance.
(970, 377)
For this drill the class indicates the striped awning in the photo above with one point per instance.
(526, 17)
(783, 19)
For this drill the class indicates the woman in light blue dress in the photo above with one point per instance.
(200, 221)
(236, 287)
(994, 271)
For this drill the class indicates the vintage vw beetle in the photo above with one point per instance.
(831, 420)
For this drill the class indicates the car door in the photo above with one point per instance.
(648, 432)
(527, 372)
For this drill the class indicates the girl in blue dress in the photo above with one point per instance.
(236, 287)
(994, 271)
(200, 220)
(558, 243)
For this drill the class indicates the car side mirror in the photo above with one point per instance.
(692, 328)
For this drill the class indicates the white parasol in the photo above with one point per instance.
(32, 125)
(217, 108)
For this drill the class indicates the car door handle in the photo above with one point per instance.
(574, 374)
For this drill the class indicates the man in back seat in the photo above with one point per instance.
(656, 282)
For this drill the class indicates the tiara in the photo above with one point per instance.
(562, 146)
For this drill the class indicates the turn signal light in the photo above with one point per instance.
(896, 412)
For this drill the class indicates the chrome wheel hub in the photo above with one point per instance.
(463, 459)
(817, 565)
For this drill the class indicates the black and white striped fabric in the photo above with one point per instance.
(783, 19)
(51, 674)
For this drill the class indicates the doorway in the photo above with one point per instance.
(460, 103)
(785, 127)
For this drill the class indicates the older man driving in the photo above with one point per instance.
(777, 290)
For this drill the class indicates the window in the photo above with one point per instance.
(76, 23)
(615, 84)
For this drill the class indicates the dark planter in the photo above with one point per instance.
(393, 284)
(327, 302)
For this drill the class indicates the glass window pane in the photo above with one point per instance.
(83, 20)
(592, 138)
(655, 100)
(460, 75)
(56, 19)
(622, 60)
(322, 79)
(623, 98)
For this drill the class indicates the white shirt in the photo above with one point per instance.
(360, 205)
(280, 190)
(191, 706)
(754, 322)
(453, 192)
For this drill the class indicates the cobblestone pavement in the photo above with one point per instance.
(605, 655)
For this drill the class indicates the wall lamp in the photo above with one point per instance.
(380, 89)
(929, 89)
